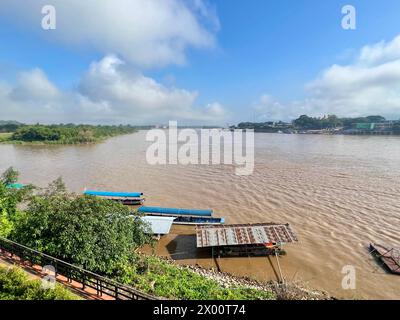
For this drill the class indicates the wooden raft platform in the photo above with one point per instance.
(389, 256)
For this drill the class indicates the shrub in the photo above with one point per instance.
(15, 285)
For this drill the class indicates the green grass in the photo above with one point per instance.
(158, 277)
(15, 285)
(4, 137)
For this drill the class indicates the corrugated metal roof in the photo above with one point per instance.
(159, 225)
(235, 235)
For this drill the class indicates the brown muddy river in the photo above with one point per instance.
(339, 193)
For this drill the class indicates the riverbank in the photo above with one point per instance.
(63, 134)
(280, 291)
(260, 273)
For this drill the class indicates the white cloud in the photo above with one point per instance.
(215, 109)
(147, 33)
(109, 92)
(34, 85)
(369, 85)
(381, 52)
(267, 108)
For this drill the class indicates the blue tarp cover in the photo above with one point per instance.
(175, 211)
(113, 194)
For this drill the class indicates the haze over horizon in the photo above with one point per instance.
(201, 62)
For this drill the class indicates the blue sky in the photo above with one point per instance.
(242, 60)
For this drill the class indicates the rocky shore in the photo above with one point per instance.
(283, 291)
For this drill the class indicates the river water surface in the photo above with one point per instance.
(339, 193)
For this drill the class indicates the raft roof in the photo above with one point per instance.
(244, 234)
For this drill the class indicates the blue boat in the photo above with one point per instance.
(15, 186)
(176, 211)
(126, 198)
(183, 216)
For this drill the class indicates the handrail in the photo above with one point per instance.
(89, 279)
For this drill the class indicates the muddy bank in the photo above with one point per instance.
(282, 291)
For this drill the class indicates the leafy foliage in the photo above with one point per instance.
(158, 277)
(9, 199)
(67, 134)
(15, 285)
(96, 234)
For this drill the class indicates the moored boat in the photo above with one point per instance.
(389, 256)
(184, 216)
(126, 198)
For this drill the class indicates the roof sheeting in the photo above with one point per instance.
(236, 235)
(159, 225)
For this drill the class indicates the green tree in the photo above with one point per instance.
(9, 200)
(96, 234)
(10, 176)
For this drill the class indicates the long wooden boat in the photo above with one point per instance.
(184, 216)
(390, 257)
(126, 198)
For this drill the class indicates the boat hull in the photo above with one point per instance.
(179, 220)
(387, 256)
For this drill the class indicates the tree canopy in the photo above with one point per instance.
(96, 234)
(9, 199)
(67, 134)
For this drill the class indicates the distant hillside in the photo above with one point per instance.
(4, 122)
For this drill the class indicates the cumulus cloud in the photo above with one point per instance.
(109, 92)
(145, 32)
(368, 85)
(34, 85)
(267, 108)
(216, 109)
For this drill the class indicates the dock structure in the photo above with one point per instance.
(262, 239)
(239, 239)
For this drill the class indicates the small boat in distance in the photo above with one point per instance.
(16, 186)
(184, 216)
(126, 198)
(389, 256)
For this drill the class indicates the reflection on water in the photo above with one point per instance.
(338, 192)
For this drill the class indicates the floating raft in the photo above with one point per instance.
(389, 256)
(244, 234)
(184, 216)
(126, 198)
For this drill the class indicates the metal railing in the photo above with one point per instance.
(88, 279)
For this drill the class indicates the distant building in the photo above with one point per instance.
(384, 127)
(365, 126)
